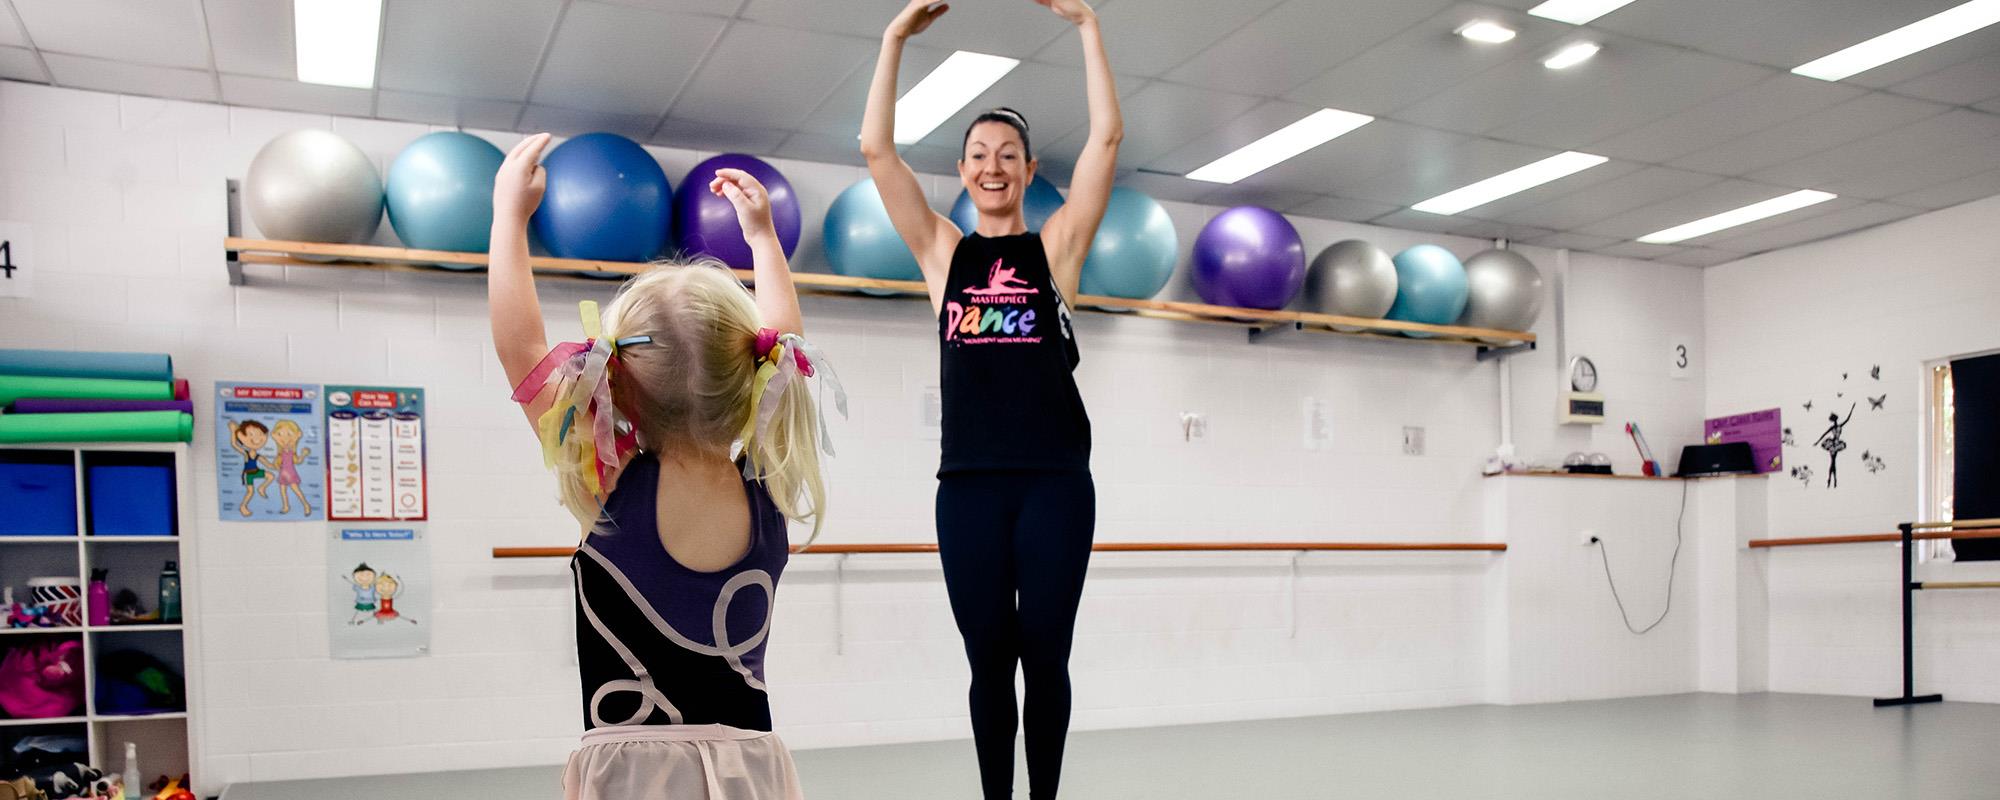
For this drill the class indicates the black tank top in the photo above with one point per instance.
(1008, 351)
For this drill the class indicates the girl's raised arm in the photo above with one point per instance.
(516, 313)
(777, 298)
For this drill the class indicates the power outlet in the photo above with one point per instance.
(1413, 440)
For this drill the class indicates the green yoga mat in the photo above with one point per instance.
(112, 426)
(15, 387)
(79, 364)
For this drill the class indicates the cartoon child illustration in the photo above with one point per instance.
(248, 437)
(287, 435)
(364, 581)
(387, 586)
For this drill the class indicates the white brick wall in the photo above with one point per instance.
(126, 197)
(1784, 325)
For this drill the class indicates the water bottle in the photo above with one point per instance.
(170, 594)
(133, 787)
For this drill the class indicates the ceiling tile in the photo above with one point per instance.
(1370, 150)
(1482, 229)
(254, 37)
(1293, 43)
(10, 33)
(714, 8)
(18, 64)
(1834, 224)
(1966, 189)
(1161, 116)
(1615, 196)
(1981, 44)
(1341, 208)
(113, 76)
(1779, 33)
(467, 48)
(1712, 199)
(793, 72)
(1639, 250)
(576, 122)
(1504, 207)
(1886, 151)
(1149, 37)
(841, 111)
(1414, 181)
(820, 147)
(1015, 29)
(1921, 170)
(1419, 221)
(1050, 97)
(1572, 241)
(441, 110)
(1420, 62)
(1234, 132)
(1861, 117)
(1627, 85)
(1229, 196)
(1701, 257)
(1969, 82)
(1774, 100)
(620, 60)
(160, 32)
(705, 135)
(1166, 187)
(244, 90)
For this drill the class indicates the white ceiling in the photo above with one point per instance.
(1691, 99)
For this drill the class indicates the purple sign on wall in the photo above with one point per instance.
(1762, 429)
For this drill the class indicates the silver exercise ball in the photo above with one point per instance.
(1505, 291)
(1353, 279)
(313, 186)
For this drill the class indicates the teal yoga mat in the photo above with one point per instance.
(15, 387)
(114, 426)
(82, 364)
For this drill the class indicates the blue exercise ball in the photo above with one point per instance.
(1133, 253)
(861, 242)
(1041, 201)
(1249, 257)
(441, 192)
(1430, 286)
(705, 224)
(607, 199)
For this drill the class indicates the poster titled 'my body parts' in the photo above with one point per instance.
(375, 453)
(269, 454)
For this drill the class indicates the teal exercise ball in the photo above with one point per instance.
(1037, 205)
(440, 192)
(861, 242)
(1133, 253)
(1430, 286)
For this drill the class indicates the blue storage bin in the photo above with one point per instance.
(38, 495)
(130, 499)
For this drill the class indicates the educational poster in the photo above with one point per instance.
(375, 453)
(269, 452)
(378, 590)
(1763, 430)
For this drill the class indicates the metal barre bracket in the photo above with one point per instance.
(1262, 334)
(1487, 353)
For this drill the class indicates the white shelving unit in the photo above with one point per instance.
(168, 742)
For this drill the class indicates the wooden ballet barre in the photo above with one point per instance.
(1908, 534)
(1961, 529)
(1104, 547)
(1956, 585)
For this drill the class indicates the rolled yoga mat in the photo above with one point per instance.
(82, 364)
(15, 387)
(117, 426)
(45, 405)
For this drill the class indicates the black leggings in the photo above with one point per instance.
(1015, 546)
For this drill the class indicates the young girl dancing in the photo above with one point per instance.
(683, 437)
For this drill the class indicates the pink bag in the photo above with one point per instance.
(42, 679)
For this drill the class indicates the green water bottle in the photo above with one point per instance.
(170, 594)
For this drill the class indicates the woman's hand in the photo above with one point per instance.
(751, 200)
(1075, 12)
(517, 189)
(915, 18)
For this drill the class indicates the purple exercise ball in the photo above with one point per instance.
(705, 224)
(1249, 257)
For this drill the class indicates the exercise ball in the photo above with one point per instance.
(1249, 256)
(1133, 253)
(313, 186)
(861, 242)
(1041, 201)
(1504, 291)
(705, 223)
(1352, 278)
(440, 193)
(1430, 287)
(607, 200)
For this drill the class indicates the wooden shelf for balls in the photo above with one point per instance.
(240, 251)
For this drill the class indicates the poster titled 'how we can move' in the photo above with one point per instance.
(375, 453)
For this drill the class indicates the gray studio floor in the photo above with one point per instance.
(1679, 746)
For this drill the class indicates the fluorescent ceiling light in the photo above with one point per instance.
(1928, 32)
(336, 41)
(961, 79)
(1314, 130)
(1576, 12)
(1486, 31)
(1730, 219)
(1519, 179)
(1571, 56)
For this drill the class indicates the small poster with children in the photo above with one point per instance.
(269, 452)
(378, 590)
(375, 453)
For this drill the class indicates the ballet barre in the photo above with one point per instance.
(841, 552)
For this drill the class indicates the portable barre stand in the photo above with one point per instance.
(1934, 530)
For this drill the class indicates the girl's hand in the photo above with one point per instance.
(1076, 12)
(517, 189)
(916, 17)
(752, 202)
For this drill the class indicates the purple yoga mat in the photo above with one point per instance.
(28, 405)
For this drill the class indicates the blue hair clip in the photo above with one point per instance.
(629, 341)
